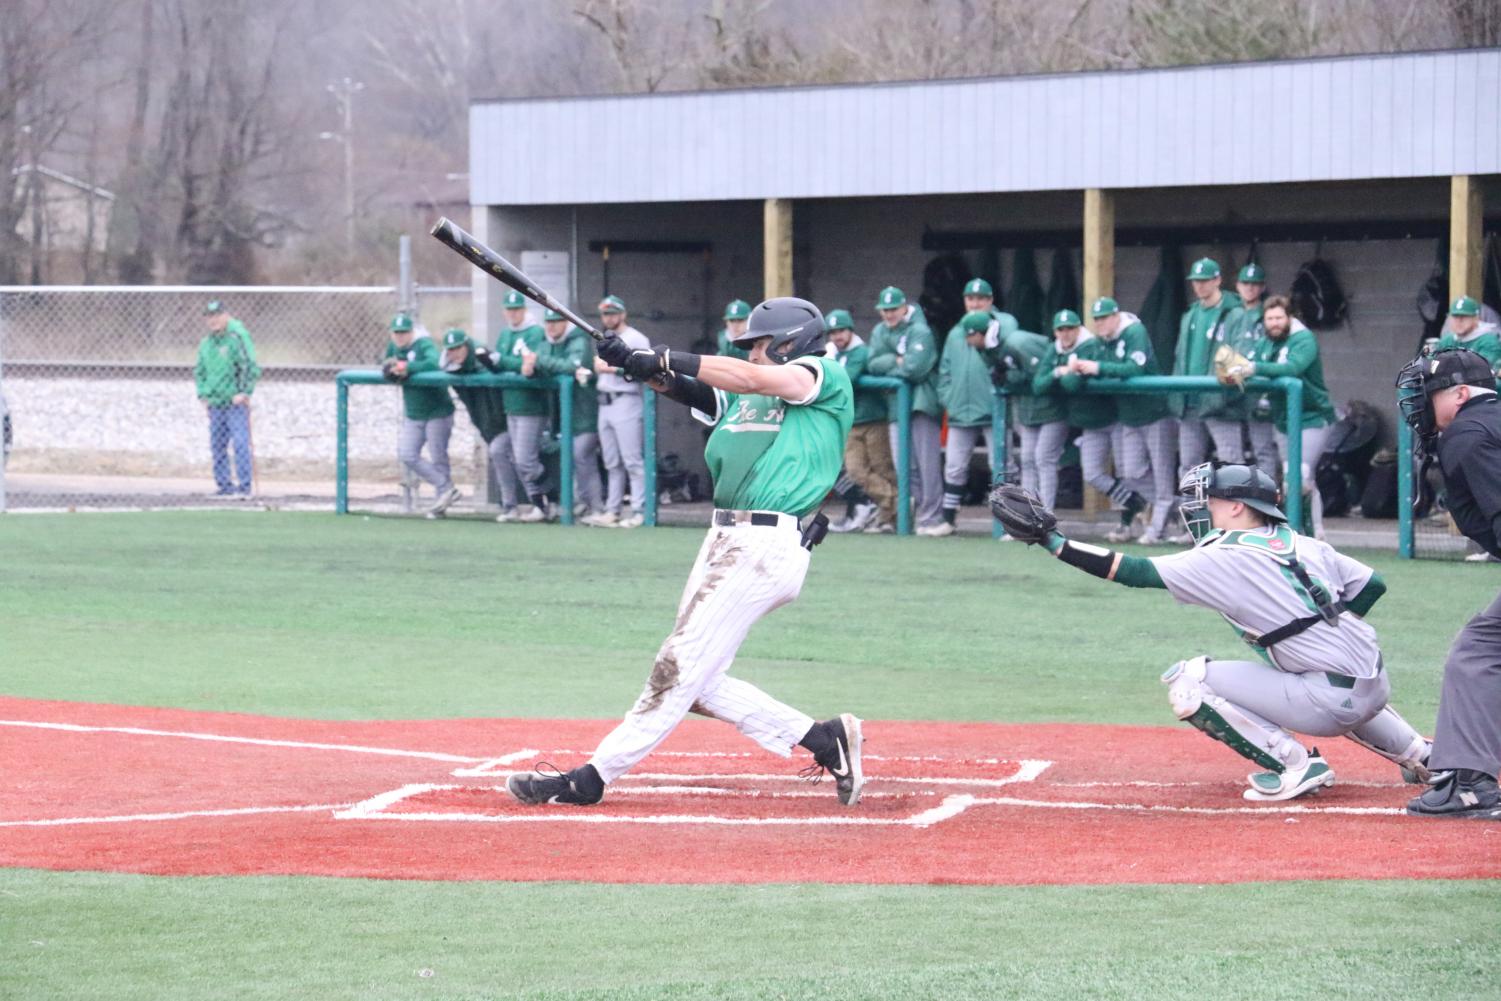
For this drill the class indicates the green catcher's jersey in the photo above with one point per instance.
(767, 454)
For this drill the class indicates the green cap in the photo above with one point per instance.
(401, 323)
(979, 286)
(839, 319)
(213, 306)
(1204, 269)
(1066, 318)
(975, 322)
(453, 337)
(514, 300)
(891, 297)
(552, 316)
(612, 304)
(1104, 306)
(1464, 306)
(737, 310)
(1252, 274)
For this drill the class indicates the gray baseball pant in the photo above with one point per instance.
(620, 440)
(956, 452)
(1046, 443)
(434, 434)
(1095, 446)
(927, 467)
(587, 485)
(526, 449)
(1144, 458)
(504, 463)
(1468, 733)
(1229, 445)
(1194, 436)
(1264, 447)
(1313, 440)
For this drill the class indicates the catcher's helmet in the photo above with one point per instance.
(795, 327)
(1429, 373)
(1247, 484)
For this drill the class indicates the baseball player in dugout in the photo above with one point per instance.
(526, 408)
(427, 411)
(226, 374)
(736, 316)
(620, 423)
(1464, 329)
(867, 454)
(1014, 360)
(902, 347)
(1296, 602)
(486, 407)
(567, 350)
(965, 391)
(1200, 332)
(1449, 400)
(1245, 333)
(780, 421)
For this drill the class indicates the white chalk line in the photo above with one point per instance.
(490, 765)
(182, 815)
(1158, 808)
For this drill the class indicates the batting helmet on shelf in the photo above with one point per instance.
(795, 326)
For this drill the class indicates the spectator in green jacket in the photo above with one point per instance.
(1014, 360)
(1244, 332)
(569, 351)
(867, 451)
(427, 411)
(965, 390)
(736, 317)
(902, 347)
(1200, 332)
(226, 374)
(1092, 414)
(527, 408)
(1464, 329)
(1293, 351)
(487, 410)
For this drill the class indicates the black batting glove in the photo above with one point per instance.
(643, 364)
(614, 350)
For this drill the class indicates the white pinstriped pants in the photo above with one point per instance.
(1145, 458)
(742, 573)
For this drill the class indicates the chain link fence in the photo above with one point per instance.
(97, 387)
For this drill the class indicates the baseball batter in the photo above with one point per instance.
(780, 421)
(1298, 603)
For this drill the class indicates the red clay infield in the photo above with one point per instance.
(173, 792)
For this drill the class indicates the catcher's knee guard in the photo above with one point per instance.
(1196, 704)
(1185, 685)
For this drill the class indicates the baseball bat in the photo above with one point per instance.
(453, 236)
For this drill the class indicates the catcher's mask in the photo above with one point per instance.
(1429, 373)
(1247, 484)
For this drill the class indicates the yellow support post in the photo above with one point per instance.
(778, 247)
(1466, 236)
(1099, 279)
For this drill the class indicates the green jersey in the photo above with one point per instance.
(728, 349)
(1199, 332)
(1085, 411)
(1297, 355)
(1484, 340)
(870, 404)
(1245, 333)
(769, 454)
(575, 350)
(421, 403)
(908, 352)
(523, 402)
(1126, 355)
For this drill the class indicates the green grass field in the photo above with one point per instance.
(315, 616)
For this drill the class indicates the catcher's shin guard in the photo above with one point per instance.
(1195, 703)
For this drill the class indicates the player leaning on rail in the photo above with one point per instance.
(780, 421)
(1296, 601)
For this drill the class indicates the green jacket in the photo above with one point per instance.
(1084, 411)
(1019, 354)
(1245, 333)
(1297, 355)
(486, 409)
(226, 365)
(1200, 332)
(1129, 354)
(964, 386)
(567, 356)
(523, 402)
(422, 403)
(728, 349)
(913, 343)
(1485, 341)
(870, 404)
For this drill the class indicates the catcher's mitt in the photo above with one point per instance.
(388, 370)
(1022, 513)
(1231, 367)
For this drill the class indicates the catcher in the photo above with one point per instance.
(1298, 603)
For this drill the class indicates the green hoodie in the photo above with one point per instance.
(1019, 354)
(1297, 355)
(964, 386)
(1484, 341)
(912, 341)
(575, 350)
(1129, 354)
(226, 365)
(1200, 332)
(422, 403)
(1085, 411)
(870, 404)
(508, 344)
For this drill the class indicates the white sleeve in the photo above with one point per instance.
(813, 365)
(1199, 577)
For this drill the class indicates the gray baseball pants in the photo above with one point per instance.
(927, 467)
(1195, 435)
(526, 431)
(504, 463)
(434, 434)
(1313, 448)
(1045, 443)
(1095, 447)
(1145, 460)
(1468, 733)
(620, 440)
(1264, 447)
(956, 453)
(587, 485)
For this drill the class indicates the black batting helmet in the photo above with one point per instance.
(795, 327)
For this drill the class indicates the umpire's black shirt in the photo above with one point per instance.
(1469, 451)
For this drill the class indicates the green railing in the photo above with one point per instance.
(1405, 488)
(1291, 389)
(903, 458)
(562, 385)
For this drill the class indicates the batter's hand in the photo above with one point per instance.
(239, 399)
(614, 351)
(643, 364)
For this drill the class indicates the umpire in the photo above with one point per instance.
(1449, 399)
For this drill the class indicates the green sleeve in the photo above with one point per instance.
(251, 374)
(1107, 564)
(1044, 380)
(1138, 571)
(856, 362)
(426, 359)
(921, 356)
(1127, 367)
(391, 350)
(1368, 596)
(1071, 383)
(1180, 350)
(946, 364)
(199, 372)
(1302, 351)
(882, 354)
(505, 361)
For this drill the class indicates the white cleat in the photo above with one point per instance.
(1270, 787)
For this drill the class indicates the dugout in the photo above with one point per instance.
(680, 202)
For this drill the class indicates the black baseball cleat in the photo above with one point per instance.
(1463, 793)
(580, 787)
(841, 758)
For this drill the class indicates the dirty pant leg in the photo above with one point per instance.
(1468, 734)
(526, 450)
(588, 487)
(415, 434)
(1052, 439)
(742, 573)
(926, 469)
(503, 461)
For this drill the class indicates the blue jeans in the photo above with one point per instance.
(225, 424)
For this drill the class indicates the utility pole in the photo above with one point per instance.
(343, 93)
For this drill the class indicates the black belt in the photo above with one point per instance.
(608, 398)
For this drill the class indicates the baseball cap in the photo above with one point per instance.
(737, 310)
(514, 300)
(891, 297)
(979, 286)
(213, 306)
(1464, 306)
(611, 304)
(839, 319)
(1066, 318)
(552, 315)
(453, 337)
(1103, 306)
(975, 322)
(1204, 269)
(401, 323)
(1252, 274)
